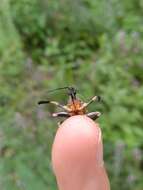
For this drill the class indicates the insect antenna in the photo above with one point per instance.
(71, 92)
(62, 88)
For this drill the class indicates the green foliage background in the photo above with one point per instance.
(96, 46)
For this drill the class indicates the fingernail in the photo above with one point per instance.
(100, 161)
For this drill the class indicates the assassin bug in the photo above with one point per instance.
(75, 106)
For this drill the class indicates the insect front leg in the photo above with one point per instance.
(55, 103)
(95, 98)
(94, 115)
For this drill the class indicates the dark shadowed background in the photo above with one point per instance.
(95, 45)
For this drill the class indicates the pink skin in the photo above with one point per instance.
(77, 155)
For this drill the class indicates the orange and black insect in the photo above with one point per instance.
(75, 106)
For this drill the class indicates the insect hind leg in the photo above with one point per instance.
(61, 114)
(94, 115)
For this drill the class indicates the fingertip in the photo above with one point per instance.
(77, 155)
(81, 137)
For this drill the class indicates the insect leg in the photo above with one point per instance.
(61, 114)
(94, 115)
(55, 103)
(92, 100)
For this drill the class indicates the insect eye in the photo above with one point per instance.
(73, 90)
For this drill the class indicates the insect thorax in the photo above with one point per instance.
(75, 107)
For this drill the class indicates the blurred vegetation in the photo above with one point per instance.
(96, 46)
